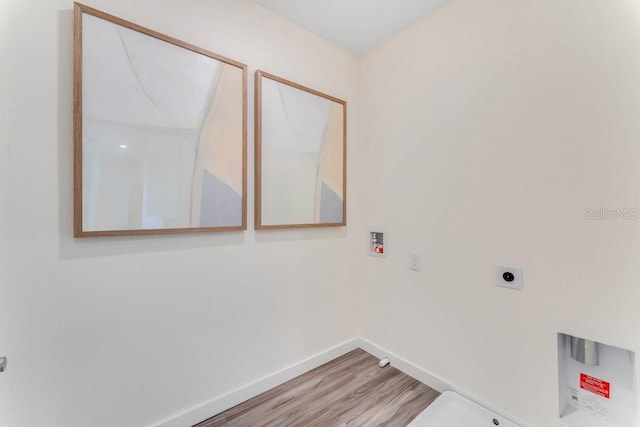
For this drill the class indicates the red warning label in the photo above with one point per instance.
(595, 385)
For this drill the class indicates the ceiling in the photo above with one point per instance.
(354, 25)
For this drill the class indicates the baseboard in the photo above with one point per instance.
(229, 400)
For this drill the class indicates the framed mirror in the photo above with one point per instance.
(159, 132)
(301, 153)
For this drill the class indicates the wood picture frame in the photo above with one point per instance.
(300, 156)
(160, 132)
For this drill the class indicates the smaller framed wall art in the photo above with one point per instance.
(300, 143)
(159, 132)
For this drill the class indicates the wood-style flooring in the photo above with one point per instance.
(349, 391)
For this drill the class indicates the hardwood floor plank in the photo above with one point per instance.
(298, 387)
(350, 391)
(288, 400)
(337, 397)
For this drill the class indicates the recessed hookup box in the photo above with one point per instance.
(596, 384)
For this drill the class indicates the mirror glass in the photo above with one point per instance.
(301, 152)
(161, 138)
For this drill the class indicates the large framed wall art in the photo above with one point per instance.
(300, 156)
(159, 132)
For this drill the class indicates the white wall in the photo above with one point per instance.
(130, 331)
(4, 192)
(494, 124)
(487, 129)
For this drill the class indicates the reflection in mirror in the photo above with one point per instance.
(160, 132)
(301, 153)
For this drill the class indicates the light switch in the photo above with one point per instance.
(414, 262)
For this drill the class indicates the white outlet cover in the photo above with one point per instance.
(517, 282)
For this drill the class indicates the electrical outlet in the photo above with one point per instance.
(414, 262)
(509, 277)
